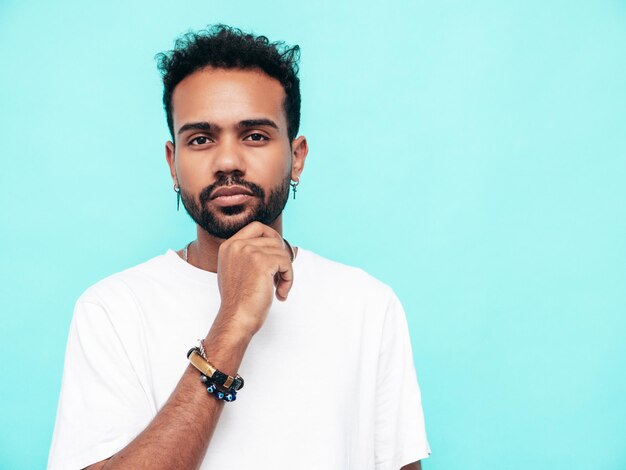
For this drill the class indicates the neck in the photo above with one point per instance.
(204, 250)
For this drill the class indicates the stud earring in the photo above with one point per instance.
(177, 189)
(293, 186)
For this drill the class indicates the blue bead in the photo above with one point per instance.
(210, 388)
(220, 395)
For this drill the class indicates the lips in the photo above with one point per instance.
(231, 191)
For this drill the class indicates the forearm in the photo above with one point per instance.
(413, 466)
(253, 266)
(180, 433)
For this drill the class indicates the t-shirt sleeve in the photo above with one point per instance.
(400, 434)
(102, 405)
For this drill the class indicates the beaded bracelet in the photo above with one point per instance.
(226, 395)
(210, 371)
(220, 385)
(219, 377)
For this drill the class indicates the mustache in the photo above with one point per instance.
(230, 180)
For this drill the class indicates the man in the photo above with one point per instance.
(329, 376)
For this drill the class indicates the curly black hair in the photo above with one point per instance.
(226, 47)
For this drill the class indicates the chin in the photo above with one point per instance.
(233, 210)
(225, 226)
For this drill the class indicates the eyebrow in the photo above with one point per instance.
(198, 126)
(257, 123)
(208, 126)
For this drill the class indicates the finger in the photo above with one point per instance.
(273, 253)
(284, 278)
(260, 243)
(256, 230)
(265, 242)
(253, 247)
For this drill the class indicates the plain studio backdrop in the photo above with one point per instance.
(470, 154)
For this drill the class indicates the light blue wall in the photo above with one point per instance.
(470, 154)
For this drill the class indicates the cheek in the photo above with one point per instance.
(193, 173)
(271, 170)
(283, 166)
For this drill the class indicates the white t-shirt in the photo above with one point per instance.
(339, 346)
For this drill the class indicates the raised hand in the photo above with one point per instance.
(253, 266)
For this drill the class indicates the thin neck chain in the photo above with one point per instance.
(186, 251)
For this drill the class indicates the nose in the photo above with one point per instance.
(228, 157)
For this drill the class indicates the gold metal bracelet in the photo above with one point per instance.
(201, 364)
(205, 367)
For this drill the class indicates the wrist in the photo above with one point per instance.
(236, 323)
(226, 343)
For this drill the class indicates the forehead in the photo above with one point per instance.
(226, 97)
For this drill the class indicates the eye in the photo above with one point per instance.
(256, 137)
(200, 140)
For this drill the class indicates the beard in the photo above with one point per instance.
(224, 222)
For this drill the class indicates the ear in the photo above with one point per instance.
(170, 156)
(299, 151)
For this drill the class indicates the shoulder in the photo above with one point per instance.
(350, 279)
(123, 285)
